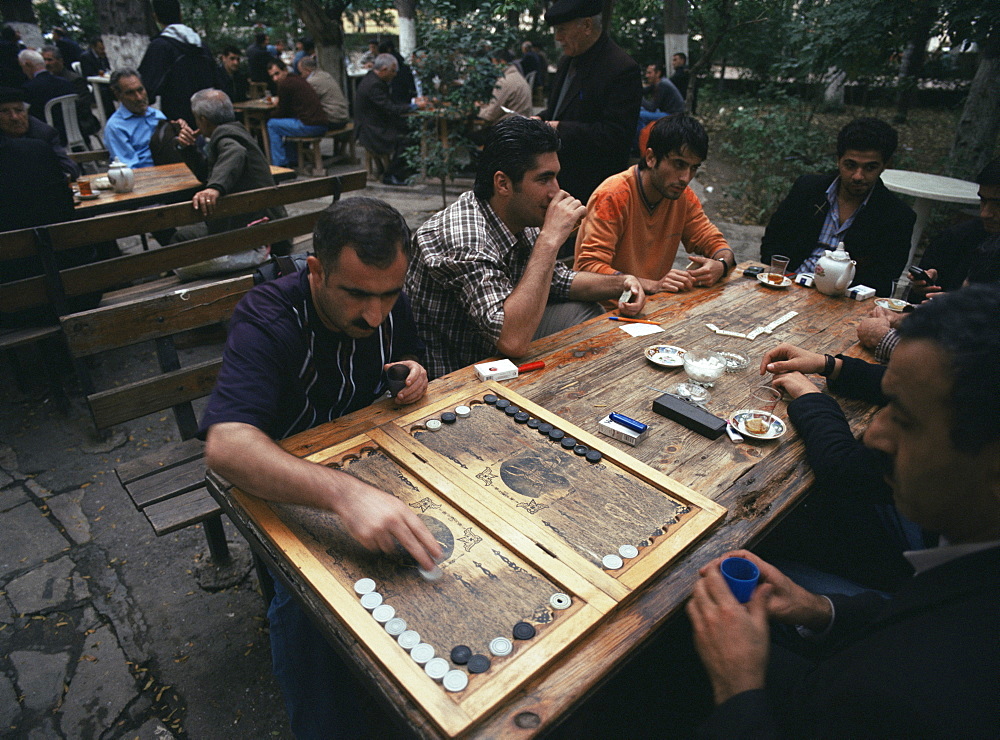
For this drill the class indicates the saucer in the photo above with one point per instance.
(775, 430)
(763, 279)
(92, 196)
(892, 304)
(665, 355)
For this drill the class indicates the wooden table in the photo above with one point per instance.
(590, 370)
(926, 188)
(255, 114)
(162, 185)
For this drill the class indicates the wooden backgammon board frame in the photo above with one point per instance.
(540, 553)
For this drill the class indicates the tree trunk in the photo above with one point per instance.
(327, 30)
(20, 15)
(126, 26)
(833, 90)
(912, 65)
(675, 31)
(407, 10)
(976, 135)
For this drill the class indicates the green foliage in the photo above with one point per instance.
(637, 26)
(452, 61)
(79, 17)
(774, 144)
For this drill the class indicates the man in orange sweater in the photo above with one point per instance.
(636, 219)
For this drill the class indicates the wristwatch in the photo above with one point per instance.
(725, 266)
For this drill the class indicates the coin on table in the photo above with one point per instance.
(409, 639)
(612, 562)
(560, 601)
(364, 586)
(501, 646)
(628, 551)
(422, 653)
(395, 626)
(371, 600)
(455, 680)
(437, 668)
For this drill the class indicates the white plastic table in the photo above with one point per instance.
(926, 188)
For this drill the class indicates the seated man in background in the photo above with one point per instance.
(42, 86)
(299, 113)
(962, 254)
(637, 219)
(94, 63)
(129, 130)
(305, 349)
(511, 91)
(484, 279)
(85, 117)
(232, 163)
(382, 126)
(918, 664)
(659, 97)
(235, 82)
(331, 97)
(852, 206)
(16, 123)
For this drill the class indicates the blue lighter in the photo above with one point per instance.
(636, 426)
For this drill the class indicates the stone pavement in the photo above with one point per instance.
(105, 629)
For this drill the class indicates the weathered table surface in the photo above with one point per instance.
(596, 368)
(162, 184)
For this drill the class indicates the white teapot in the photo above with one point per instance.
(834, 271)
(121, 177)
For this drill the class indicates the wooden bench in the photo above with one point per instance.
(54, 287)
(308, 147)
(167, 485)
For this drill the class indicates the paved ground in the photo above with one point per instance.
(105, 630)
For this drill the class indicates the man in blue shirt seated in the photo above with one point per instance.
(302, 350)
(130, 129)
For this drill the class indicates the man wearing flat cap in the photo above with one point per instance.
(594, 102)
(15, 123)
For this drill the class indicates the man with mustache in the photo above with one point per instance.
(304, 349)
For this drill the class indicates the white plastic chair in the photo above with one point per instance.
(77, 67)
(530, 78)
(72, 126)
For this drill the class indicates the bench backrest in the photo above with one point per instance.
(57, 285)
(157, 318)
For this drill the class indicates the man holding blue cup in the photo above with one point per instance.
(924, 663)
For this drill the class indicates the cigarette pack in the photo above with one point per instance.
(861, 292)
(806, 279)
(496, 370)
(621, 433)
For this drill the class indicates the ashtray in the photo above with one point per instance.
(892, 304)
(735, 361)
(665, 355)
(775, 426)
(770, 279)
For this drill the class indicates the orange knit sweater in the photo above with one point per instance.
(619, 234)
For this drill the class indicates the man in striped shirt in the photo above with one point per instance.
(305, 349)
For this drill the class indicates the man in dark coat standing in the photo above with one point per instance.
(381, 123)
(594, 102)
(177, 63)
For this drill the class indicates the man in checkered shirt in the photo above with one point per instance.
(484, 280)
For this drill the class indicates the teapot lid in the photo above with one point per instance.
(839, 254)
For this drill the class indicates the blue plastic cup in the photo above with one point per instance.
(742, 576)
